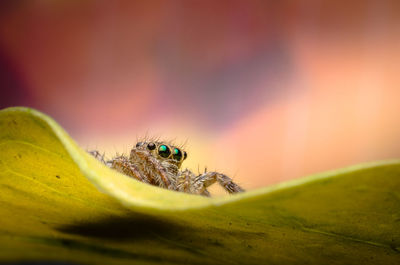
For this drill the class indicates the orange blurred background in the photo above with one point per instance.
(263, 91)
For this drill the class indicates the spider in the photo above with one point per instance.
(158, 163)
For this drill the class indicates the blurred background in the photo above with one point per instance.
(264, 91)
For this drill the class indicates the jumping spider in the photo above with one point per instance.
(158, 163)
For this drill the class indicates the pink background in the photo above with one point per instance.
(264, 91)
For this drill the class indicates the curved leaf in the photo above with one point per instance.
(50, 210)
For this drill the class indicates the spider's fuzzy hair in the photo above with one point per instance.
(171, 142)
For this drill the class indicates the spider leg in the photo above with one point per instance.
(208, 178)
(184, 181)
(98, 156)
(123, 165)
(187, 182)
(206, 193)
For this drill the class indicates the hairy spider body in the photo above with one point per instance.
(159, 163)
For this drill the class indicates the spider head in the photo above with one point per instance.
(163, 152)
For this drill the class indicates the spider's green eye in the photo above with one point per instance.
(151, 146)
(177, 154)
(184, 155)
(164, 151)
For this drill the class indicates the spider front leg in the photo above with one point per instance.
(208, 178)
(98, 156)
(121, 164)
(188, 182)
(125, 166)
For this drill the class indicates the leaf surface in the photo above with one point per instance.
(57, 203)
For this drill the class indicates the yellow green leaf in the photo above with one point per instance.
(57, 203)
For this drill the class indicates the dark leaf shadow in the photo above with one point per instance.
(136, 228)
(133, 227)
